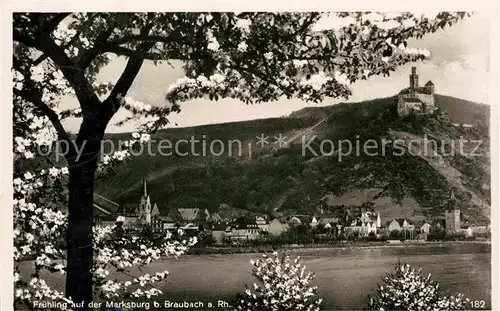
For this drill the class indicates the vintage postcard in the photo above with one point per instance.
(206, 159)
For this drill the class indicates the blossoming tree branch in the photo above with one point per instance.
(251, 57)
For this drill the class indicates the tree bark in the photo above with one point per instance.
(80, 213)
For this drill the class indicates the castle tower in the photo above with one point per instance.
(429, 86)
(144, 215)
(452, 215)
(413, 79)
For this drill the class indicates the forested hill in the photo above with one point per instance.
(285, 180)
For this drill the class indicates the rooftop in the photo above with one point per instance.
(220, 226)
(401, 221)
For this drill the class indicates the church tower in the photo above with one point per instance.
(144, 213)
(452, 214)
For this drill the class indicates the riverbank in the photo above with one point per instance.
(318, 247)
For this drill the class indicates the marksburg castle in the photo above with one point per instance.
(415, 99)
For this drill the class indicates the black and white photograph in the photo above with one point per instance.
(255, 160)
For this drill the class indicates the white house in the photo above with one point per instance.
(294, 221)
(467, 230)
(314, 222)
(400, 224)
(262, 223)
(370, 227)
(243, 232)
(425, 228)
(364, 228)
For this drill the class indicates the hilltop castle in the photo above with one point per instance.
(415, 99)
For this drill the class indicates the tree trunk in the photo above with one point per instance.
(79, 235)
(80, 214)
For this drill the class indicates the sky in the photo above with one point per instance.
(458, 66)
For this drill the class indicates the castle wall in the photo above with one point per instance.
(402, 111)
(417, 107)
(428, 99)
(404, 107)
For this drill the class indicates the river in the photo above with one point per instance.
(344, 276)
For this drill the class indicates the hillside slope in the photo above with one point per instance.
(295, 179)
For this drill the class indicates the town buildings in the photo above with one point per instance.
(333, 223)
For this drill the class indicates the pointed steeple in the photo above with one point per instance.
(145, 186)
(144, 209)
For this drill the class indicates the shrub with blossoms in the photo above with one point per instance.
(283, 285)
(407, 289)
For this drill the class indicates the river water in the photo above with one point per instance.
(345, 277)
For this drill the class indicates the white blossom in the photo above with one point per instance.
(283, 285)
(217, 78)
(243, 25)
(213, 44)
(408, 23)
(316, 81)
(37, 73)
(408, 289)
(268, 55)
(54, 171)
(242, 47)
(342, 78)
